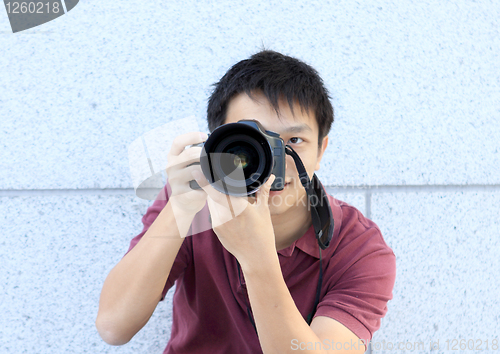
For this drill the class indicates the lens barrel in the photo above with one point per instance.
(238, 157)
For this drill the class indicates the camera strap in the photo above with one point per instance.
(321, 215)
(318, 202)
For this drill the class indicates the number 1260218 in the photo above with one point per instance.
(32, 7)
(472, 344)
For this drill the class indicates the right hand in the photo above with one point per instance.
(179, 169)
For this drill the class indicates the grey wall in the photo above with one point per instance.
(415, 145)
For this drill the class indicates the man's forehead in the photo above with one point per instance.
(299, 128)
(256, 106)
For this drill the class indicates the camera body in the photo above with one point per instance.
(238, 158)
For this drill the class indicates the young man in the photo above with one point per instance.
(248, 285)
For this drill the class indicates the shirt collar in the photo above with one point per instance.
(308, 243)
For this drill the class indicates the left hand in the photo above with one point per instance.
(244, 228)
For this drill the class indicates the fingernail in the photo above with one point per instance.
(203, 136)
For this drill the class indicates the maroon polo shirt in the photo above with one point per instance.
(210, 304)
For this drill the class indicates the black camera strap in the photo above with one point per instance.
(321, 215)
(318, 203)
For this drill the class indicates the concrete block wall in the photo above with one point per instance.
(415, 146)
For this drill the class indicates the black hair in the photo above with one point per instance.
(276, 76)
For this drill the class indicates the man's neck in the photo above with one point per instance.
(290, 226)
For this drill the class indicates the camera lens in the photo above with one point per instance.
(239, 151)
(244, 155)
(237, 159)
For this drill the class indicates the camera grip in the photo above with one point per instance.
(194, 185)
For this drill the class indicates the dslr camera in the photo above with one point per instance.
(238, 158)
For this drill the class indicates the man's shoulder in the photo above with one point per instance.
(353, 227)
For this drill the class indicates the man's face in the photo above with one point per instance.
(299, 130)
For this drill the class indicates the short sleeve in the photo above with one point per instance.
(183, 256)
(359, 279)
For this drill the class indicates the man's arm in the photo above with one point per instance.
(134, 286)
(281, 327)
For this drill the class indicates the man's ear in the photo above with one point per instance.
(321, 151)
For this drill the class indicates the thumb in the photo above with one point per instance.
(263, 192)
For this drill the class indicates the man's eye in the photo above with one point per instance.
(295, 140)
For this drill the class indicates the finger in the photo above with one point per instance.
(180, 142)
(183, 177)
(188, 157)
(191, 154)
(205, 185)
(219, 204)
(233, 205)
(194, 195)
(263, 193)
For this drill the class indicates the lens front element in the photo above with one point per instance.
(243, 154)
(238, 159)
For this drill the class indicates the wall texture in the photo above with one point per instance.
(415, 146)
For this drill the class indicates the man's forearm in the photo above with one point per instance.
(133, 287)
(277, 318)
